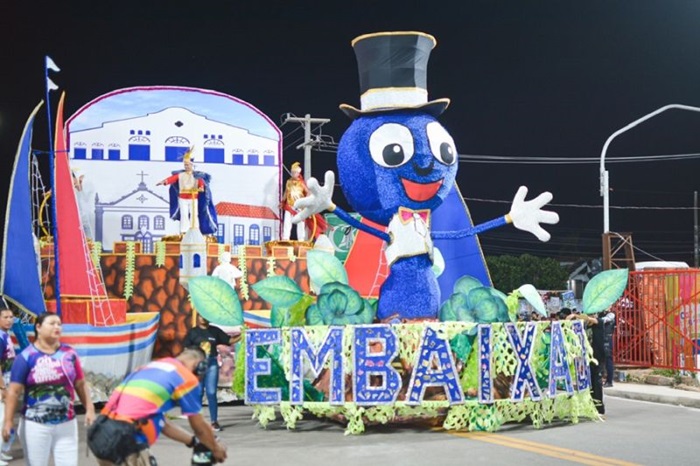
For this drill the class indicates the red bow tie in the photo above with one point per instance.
(407, 214)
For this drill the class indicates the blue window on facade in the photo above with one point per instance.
(113, 154)
(140, 132)
(159, 222)
(237, 159)
(238, 234)
(180, 263)
(127, 222)
(213, 155)
(143, 222)
(146, 241)
(148, 133)
(132, 132)
(254, 235)
(221, 233)
(174, 153)
(253, 159)
(267, 234)
(139, 152)
(196, 261)
(97, 154)
(80, 153)
(270, 160)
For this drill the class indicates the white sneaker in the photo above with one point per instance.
(4, 463)
(5, 457)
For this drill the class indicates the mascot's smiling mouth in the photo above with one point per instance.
(420, 192)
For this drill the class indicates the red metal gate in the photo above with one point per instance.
(658, 320)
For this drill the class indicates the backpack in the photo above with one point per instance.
(113, 440)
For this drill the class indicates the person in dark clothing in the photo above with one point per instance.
(207, 337)
(597, 340)
(609, 334)
(598, 345)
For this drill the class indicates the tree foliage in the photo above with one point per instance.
(510, 272)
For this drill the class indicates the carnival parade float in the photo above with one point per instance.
(409, 328)
(392, 320)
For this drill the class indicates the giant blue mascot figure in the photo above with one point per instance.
(397, 164)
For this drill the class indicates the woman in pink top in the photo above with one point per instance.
(50, 375)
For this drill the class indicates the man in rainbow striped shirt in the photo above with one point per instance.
(144, 397)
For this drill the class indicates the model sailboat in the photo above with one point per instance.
(109, 342)
(19, 277)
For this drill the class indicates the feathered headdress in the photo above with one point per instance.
(187, 156)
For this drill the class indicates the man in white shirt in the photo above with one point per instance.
(226, 271)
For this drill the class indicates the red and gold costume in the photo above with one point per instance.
(295, 189)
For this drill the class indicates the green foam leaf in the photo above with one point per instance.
(214, 299)
(279, 291)
(533, 297)
(465, 284)
(325, 268)
(604, 289)
(297, 313)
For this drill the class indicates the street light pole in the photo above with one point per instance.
(604, 176)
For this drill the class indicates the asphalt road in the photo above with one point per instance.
(633, 433)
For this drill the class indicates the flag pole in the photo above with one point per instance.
(52, 169)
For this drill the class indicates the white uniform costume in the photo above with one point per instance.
(410, 235)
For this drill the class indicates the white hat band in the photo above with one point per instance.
(393, 97)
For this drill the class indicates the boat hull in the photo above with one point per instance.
(108, 353)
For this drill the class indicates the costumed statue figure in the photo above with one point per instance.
(226, 271)
(85, 195)
(294, 190)
(397, 164)
(190, 198)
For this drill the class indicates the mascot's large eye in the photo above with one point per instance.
(391, 145)
(441, 144)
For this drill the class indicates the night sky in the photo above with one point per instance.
(526, 78)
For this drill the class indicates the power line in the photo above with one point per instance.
(510, 159)
(295, 142)
(528, 160)
(584, 206)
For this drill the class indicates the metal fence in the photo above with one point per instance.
(658, 320)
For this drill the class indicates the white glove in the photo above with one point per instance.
(318, 200)
(527, 215)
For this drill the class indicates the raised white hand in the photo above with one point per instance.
(318, 200)
(527, 215)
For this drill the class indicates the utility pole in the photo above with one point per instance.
(308, 143)
(696, 252)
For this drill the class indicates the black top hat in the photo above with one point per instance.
(393, 70)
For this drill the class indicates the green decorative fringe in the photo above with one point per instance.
(160, 253)
(238, 382)
(291, 414)
(129, 272)
(270, 266)
(470, 416)
(95, 251)
(243, 267)
(264, 414)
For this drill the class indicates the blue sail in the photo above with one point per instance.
(19, 276)
(462, 256)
